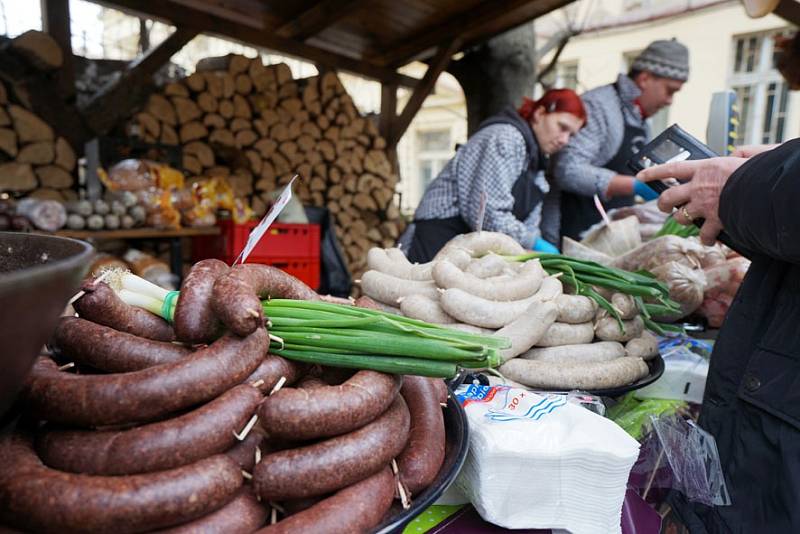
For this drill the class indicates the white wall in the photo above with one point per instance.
(708, 33)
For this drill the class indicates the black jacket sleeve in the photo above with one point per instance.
(760, 204)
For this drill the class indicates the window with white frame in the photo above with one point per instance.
(761, 93)
(434, 152)
(563, 76)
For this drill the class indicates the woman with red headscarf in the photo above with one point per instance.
(503, 162)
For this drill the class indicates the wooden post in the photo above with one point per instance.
(388, 117)
(422, 90)
(55, 21)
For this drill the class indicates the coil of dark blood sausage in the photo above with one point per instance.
(271, 369)
(185, 439)
(242, 515)
(420, 461)
(236, 298)
(100, 304)
(334, 463)
(194, 319)
(356, 508)
(302, 414)
(96, 400)
(107, 349)
(35, 497)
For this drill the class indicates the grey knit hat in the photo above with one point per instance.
(668, 59)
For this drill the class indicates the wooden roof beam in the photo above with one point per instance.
(114, 101)
(182, 16)
(315, 19)
(468, 24)
(55, 21)
(439, 63)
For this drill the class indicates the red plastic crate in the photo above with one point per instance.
(281, 241)
(306, 270)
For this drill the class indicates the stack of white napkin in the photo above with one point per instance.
(537, 461)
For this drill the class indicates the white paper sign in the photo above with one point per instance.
(259, 231)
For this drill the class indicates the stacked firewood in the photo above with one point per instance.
(259, 127)
(34, 161)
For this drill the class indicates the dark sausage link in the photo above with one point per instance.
(420, 461)
(301, 414)
(146, 395)
(101, 305)
(244, 452)
(106, 349)
(172, 443)
(194, 319)
(237, 295)
(242, 515)
(272, 368)
(357, 508)
(335, 463)
(37, 498)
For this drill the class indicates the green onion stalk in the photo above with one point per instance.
(583, 276)
(346, 336)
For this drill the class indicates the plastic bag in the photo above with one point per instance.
(722, 284)
(660, 251)
(646, 213)
(686, 286)
(680, 455)
(615, 238)
(633, 414)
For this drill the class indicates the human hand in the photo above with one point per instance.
(699, 198)
(748, 151)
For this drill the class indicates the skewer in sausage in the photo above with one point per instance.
(164, 445)
(35, 497)
(194, 319)
(356, 508)
(271, 369)
(236, 297)
(302, 414)
(101, 305)
(420, 461)
(107, 349)
(334, 463)
(96, 400)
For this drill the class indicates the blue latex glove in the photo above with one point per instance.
(540, 245)
(644, 190)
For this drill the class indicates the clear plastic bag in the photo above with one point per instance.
(680, 455)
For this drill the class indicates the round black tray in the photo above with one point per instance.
(457, 444)
(656, 366)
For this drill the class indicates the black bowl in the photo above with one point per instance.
(38, 275)
(455, 425)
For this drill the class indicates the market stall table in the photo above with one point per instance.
(174, 237)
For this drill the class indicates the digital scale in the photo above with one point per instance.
(676, 144)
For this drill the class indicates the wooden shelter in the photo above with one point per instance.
(371, 38)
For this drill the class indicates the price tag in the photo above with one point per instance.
(259, 231)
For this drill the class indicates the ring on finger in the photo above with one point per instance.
(687, 216)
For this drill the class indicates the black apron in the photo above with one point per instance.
(578, 212)
(430, 235)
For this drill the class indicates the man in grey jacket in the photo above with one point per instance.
(595, 162)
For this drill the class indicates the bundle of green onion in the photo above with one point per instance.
(584, 276)
(673, 227)
(345, 336)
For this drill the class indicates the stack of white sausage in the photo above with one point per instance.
(196, 428)
(558, 341)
